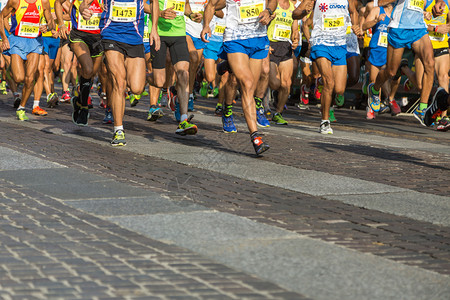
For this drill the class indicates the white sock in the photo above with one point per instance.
(183, 117)
(35, 103)
(118, 128)
(324, 121)
(191, 95)
(21, 107)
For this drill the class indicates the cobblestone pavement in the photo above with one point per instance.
(189, 217)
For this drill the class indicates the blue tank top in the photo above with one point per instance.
(379, 32)
(408, 14)
(123, 21)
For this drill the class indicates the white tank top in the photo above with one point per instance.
(194, 28)
(331, 19)
(242, 20)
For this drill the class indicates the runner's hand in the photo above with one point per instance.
(169, 14)
(438, 9)
(154, 39)
(87, 14)
(443, 28)
(5, 44)
(43, 28)
(206, 31)
(294, 44)
(265, 17)
(55, 34)
(427, 15)
(63, 32)
(357, 30)
(196, 17)
(381, 17)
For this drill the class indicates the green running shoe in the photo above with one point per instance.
(215, 92)
(332, 117)
(144, 93)
(339, 99)
(20, 113)
(204, 89)
(278, 119)
(134, 99)
(259, 103)
(185, 127)
(119, 139)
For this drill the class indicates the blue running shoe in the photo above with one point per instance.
(108, 116)
(419, 114)
(191, 103)
(228, 124)
(177, 113)
(154, 113)
(373, 99)
(261, 119)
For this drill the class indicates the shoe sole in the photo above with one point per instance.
(74, 108)
(155, 117)
(233, 131)
(262, 126)
(134, 103)
(52, 102)
(262, 150)
(419, 119)
(190, 131)
(84, 124)
(119, 144)
(42, 115)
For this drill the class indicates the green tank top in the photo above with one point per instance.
(175, 27)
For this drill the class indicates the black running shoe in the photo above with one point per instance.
(259, 145)
(83, 117)
(437, 106)
(17, 102)
(75, 101)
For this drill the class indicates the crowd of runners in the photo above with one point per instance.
(224, 47)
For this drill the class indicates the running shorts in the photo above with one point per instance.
(177, 47)
(24, 46)
(335, 54)
(404, 38)
(51, 46)
(127, 50)
(281, 51)
(93, 41)
(256, 48)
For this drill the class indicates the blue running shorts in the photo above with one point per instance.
(198, 43)
(256, 48)
(378, 56)
(24, 46)
(336, 54)
(51, 46)
(212, 50)
(404, 38)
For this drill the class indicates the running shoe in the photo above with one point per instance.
(90, 105)
(154, 113)
(332, 116)
(437, 106)
(17, 101)
(384, 108)
(172, 97)
(177, 112)
(164, 99)
(373, 99)
(118, 139)
(108, 116)
(443, 124)
(259, 145)
(365, 83)
(65, 98)
(3, 87)
(228, 123)
(204, 89)
(407, 85)
(38, 111)
(215, 92)
(318, 88)
(83, 116)
(278, 119)
(185, 127)
(191, 103)
(261, 119)
(395, 108)
(219, 109)
(370, 114)
(20, 114)
(144, 93)
(325, 127)
(103, 100)
(259, 103)
(305, 95)
(419, 114)
(134, 99)
(52, 100)
(339, 100)
(75, 108)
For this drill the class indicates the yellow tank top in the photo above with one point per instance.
(44, 21)
(280, 28)
(438, 40)
(25, 20)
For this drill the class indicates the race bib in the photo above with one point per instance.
(92, 24)
(219, 29)
(177, 5)
(197, 7)
(416, 5)
(382, 40)
(123, 11)
(29, 30)
(146, 35)
(282, 33)
(249, 10)
(332, 23)
(349, 29)
(436, 36)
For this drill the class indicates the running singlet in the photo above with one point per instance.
(44, 21)
(242, 20)
(194, 28)
(439, 40)
(177, 26)
(91, 25)
(25, 20)
(123, 21)
(408, 14)
(331, 20)
(379, 36)
(280, 29)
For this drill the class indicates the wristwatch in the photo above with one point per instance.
(270, 11)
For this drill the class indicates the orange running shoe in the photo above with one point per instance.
(38, 111)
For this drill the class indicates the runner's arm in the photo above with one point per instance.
(154, 36)
(196, 17)
(210, 9)
(84, 9)
(354, 17)
(303, 9)
(48, 15)
(305, 26)
(6, 11)
(63, 30)
(371, 19)
(295, 36)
